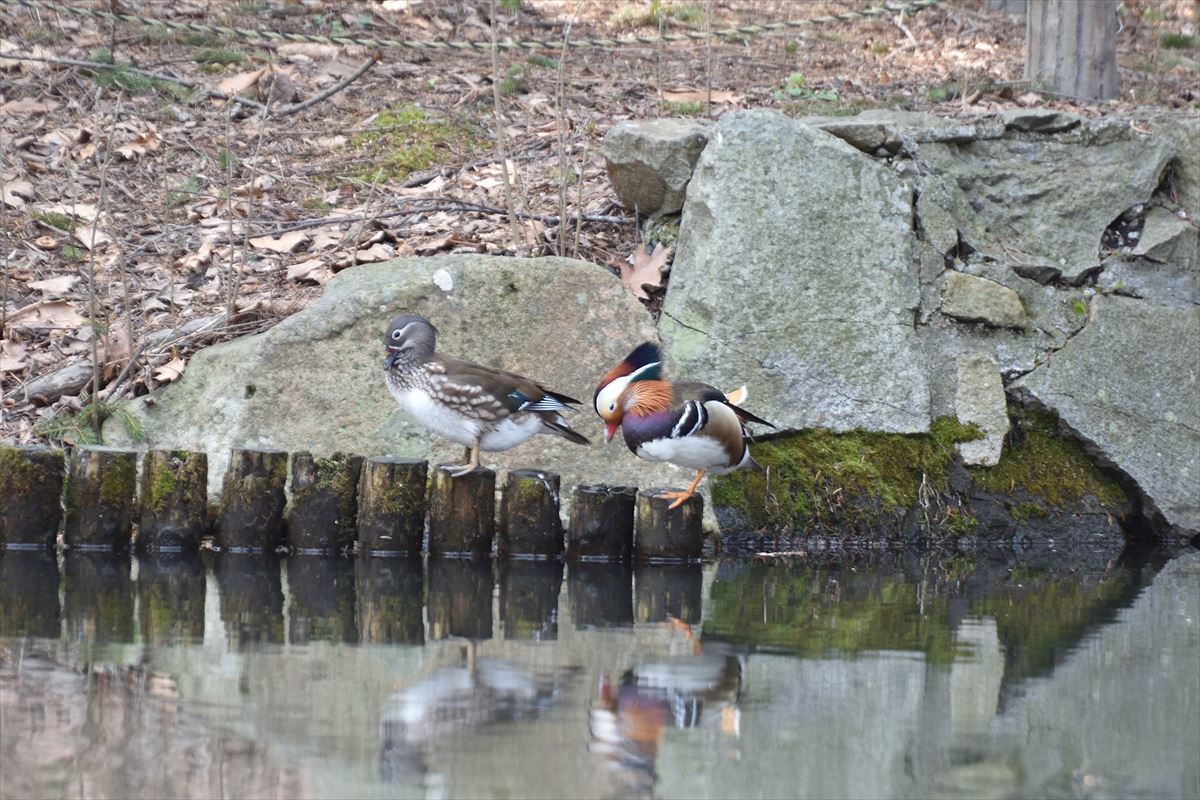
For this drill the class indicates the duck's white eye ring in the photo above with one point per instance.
(395, 335)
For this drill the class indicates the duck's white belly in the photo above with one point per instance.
(510, 433)
(436, 417)
(456, 427)
(695, 452)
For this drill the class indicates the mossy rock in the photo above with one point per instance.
(819, 481)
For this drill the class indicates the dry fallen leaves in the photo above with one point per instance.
(280, 244)
(46, 314)
(312, 270)
(54, 288)
(12, 356)
(170, 371)
(646, 269)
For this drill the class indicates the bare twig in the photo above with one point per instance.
(154, 76)
(93, 309)
(330, 92)
(561, 98)
(500, 146)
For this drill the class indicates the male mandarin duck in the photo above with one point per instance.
(478, 407)
(690, 424)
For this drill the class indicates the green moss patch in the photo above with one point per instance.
(1049, 466)
(407, 140)
(817, 478)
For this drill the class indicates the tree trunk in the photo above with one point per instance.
(1071, 47)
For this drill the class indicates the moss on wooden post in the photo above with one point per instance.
(31, 483)
(601, 526)
(529, 522)
(252, 502)
(668, 534)
(100, 498)
(174, 501)
(324, 506)
(462, 513)
(391, 506)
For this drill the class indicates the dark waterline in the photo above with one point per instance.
(894, 674)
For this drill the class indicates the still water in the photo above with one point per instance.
(1074, 674)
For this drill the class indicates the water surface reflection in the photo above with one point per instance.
(896, 674)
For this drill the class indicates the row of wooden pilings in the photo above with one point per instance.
(375, 506)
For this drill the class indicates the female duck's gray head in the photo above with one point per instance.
(409, 338)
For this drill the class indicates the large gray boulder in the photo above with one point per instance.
(1040, 203)
(1128, 385)
(650, 162)
(315, 381)
(793, 274)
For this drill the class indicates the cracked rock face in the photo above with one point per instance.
(1041, 203)
(1128, 385)
(315, 381)
(794, 275)
(972, 299)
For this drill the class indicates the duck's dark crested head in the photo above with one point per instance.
(643, 363)
(409, 338)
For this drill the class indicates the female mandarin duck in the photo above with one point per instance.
(690, 424)
(476, 406)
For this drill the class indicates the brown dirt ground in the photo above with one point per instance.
(212, 222)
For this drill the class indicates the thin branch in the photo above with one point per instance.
(91, 267)
(500, 147)
(154, 76)
(332, 90)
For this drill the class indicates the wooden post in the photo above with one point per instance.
(391, 599)
(29, 595)
(601, 523)
(100, 497)
(460, 598)
(170, 590)
(391, 506)
(529, 599)
(462, 513)
(321, 594)
(601, 594)
(250, 519)
(1071, 47)
(174, 501)
(324, 503)
(529, 522)
(667, 535)
(97, 597)
(672, 590)
(251, 592)
(31, 483)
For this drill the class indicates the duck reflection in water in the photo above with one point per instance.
(629, 719)
(454, 702)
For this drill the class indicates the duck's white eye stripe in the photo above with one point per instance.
(396, 336)
(399, 333)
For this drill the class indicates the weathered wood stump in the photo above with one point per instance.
(529, 523)
(321, 607)
(462, 513)
(170, 589)
(601, 594)
(601, 523)
(460, 598)
(668, 534)
(391, 506)
(250, 519)
(97, 597)
(671, 590)
(31, 484)
(100, 499)
(529, 599)
(174, 501)
(324, 503)
(391, 595)
(251, 591)
(29, 595)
